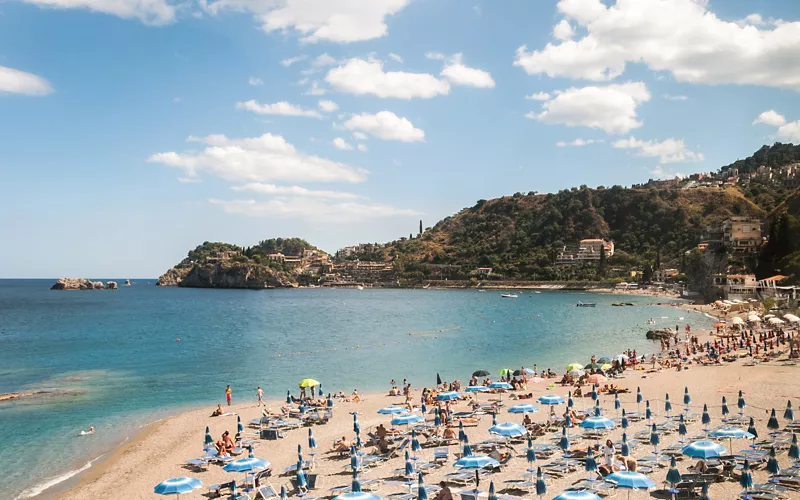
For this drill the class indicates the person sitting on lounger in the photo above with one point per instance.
(449, 434)
(228, 442)
(699, 468)
(526, 420)
(382, 448)
(381, 432)
(355, 398)
(217, 412)
(341, 445)
(444, 493)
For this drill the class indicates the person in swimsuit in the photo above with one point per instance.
(228, 394)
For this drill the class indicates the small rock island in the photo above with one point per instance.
(82, 284)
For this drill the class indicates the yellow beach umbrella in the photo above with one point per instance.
(605, 367)
(309, 382)
(574, 366)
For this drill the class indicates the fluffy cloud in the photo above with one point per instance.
(312, 209)
(268, 158)
(255, 81)
(667, 151)
(435, 56)
(328, 106)
(274, 190)
(563, 31)
(288, 62)
(341, 21)
(671, 97)
(787, 131)
(152, 12)
(340, 143)
(578, 143)
(458, 74)
(360, 77)
(279, 108)
(360, 136)
(14, 81)
(363, 148)
(611, 108)
(386, 125)
(538, 96)
(680, 36)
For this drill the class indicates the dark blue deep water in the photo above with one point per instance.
(113, 359)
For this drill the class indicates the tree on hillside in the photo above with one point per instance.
(601, 265)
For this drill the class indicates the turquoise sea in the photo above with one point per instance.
(113, 359)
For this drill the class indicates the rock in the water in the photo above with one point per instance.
(660, 333)
(72, 284)
(111, 285)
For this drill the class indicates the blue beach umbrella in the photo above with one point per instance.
(788, 414)
(772, 423)
(704, 493)
(476, 388)
(299, 453)
(682, 426)
(597, 410)
(312, 443)
(330, 400)
(415, 446)
(751, 428)
(288, 397)
(492, 494)
(597, 423)
(772, 464)
(476, 462)
(617, 403)
(551, 400)
(563, 443)
(567, 421)
(409, 469)
(359, 445)
(301, 476)
(354, 463)
(746, 480)
(437, 419)
(523, 408)
(466, 451)
(422, 493)
(624, 423)
(462, 436)
(239, 426)
(424, 408)
(355, 492)
(631, 481)
(356, 425)
(177, 485)
(494, 418)
(625, 450)
(673, 475)
(392, 410)
(593, 394)
(639, 398)
(208, 439)
(508, 429)
(794, 451)
(687, 400)
(577, 495)
(647, 413)
(284, 493)
(570, 401)
(448, 396)
(725, 410)
(655, 439)
(704, 450)
(407, 419)
(740, 403)
(667, 405)
(541, 487)
(706, 418)
(731, 433)
(246, 465)
(530, 454)
(500, 385)
(591, 464)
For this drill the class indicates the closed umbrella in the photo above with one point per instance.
(438, 380)
(687, 400)
(415, 446)
(530, 455)
(239, 426)
(330, 400)
(356, 426)
(570, 401)
(617, 403)
(288, 397)
(673, 476)
(772, 463)
(208, 439)
(462, 436)
(354, 462)
(648, 414)
(591, 463)
(751, 428)
(667, 405)
(301, 476)
(409, 469)
(638, 397)
(704, 493)
(494, 418)
(788, 414)
(284, 493)
(654, 438)
(725, 410)
(492, 494)
(682, 427)
(772, 423)
(794, 451)
(299, 453)
(740, 403)
(422, 494)
(541, 487)
(563, 443)
(593, 394)
(312, 443)
(746, 480)
(177, 485)
(424, 408)
(624, 423)
(625, 450)
(705, 419)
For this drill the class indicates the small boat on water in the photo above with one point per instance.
(360, 287)
(585, 304)
(509, 296)
(482, 291)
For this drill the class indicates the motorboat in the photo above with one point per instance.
(509, 296)
(585, 304)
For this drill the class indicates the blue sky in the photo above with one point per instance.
(135, 130)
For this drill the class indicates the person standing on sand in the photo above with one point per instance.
(228, 394)
(260, 395)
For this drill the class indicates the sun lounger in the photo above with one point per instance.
(469, 495)
(462, 478)
(198, 463)
(215, 490)
(441, 455)
(266, 492)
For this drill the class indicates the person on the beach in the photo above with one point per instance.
(449, 434)
(228, 394)
(260, 396)
(381, 431)
(608, 453)
(341, 445)
(355, 398)
(217, 412)
(85, 433)
(444, 493)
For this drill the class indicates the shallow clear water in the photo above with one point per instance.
(114, 358)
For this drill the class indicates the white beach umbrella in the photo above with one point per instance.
(791, 318)
(776, 321)
(737, 320)
(769, 315)
(753, 318)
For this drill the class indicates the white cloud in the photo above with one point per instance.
(770, 117)
(268, 158)
(302, 81)
(319, 63)
(152, 12)
(435, 56)
(315, 89)
(272, 189)
(360, 136)
(311, 209)
(279, 108)
(395, 57)
(288, 62)
(786, 131)
(255, 81)
(538, 96)
(667, 151)
(189, 180)
(671, 97)
(386, 125)
(340, 21)
(14, 81)
(363, 148)
(611, 108)
(328, 106)
(340, 143)
(563, 31)
(458, 74)
(660, 173)
(360, 77)
(578, 143)
(682, 37)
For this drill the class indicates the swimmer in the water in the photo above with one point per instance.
(90, 431)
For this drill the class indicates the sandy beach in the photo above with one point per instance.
(161, 450)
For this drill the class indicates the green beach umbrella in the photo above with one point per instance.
(794, 451)
(541, 487)
(788, 414)
(746, 480)
(574, 366)
(625, 450)
(725, 410)
(667, 404)
(706, 418)
(492, 495)
(687, 400)
(624, 423)
(673, 475)
(422, 493)
(506, 371)
(752, 428)
(772, 423)
(772, 464)
(740, 403)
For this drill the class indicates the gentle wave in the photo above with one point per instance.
(40, 488)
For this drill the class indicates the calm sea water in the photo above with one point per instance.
(114, 359)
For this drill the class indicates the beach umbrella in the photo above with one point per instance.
(358, 439)
(631, 481)
(541, 487)
(407, 419)
(246, 465)
(625, 450)
(330, 401)
(177, 485)
(604, 360)
(437, 419)
(523, 408)
(593, 366)
(505, 371)
(574, 366)
(772, 464)
(415, 446)
(301, 476)
(655, 439)
(563, 443)
(590, 464)
(284, 493)
(476, 388)
(392, 410)
(624, 423)
(208, 439)
(687, 400)
(480, 373)
(354, 462)
(794, 451)
(617, 403)
(648, 414)
(448, 396)
(704, 450)
(704, 492)
(492, 494)
(299, 453)
(577, 495)
(409, 469)
(567, 421)
(667, 405)
(593, 393)
(462, 436)
(551, 400)
(467, 449)
(239, 426)
(751, 428)
(788, 414)
(597, 423)
(731, 433)
(746, 480)
(706, 418)
(288, 397)
(772, 423)
(356, 426)
(476, 462)
(530, 455)
(682, 426)
(597, 410)
(725, 410)
(501, 385)
(508, 429)
(355, 492)
(638, 395)
(673, 475)
(494, 418)
(422, 493)
(740, 403)
(596, 379)
(570, 401)
(438, 380)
